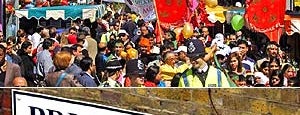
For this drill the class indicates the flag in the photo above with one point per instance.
(172, 12)
(265, 15)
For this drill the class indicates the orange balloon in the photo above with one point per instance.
(178, 32)
(188, 30)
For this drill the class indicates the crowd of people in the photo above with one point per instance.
(119, 51)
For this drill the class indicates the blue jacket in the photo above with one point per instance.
(86, 80)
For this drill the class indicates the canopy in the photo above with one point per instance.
(63, 12)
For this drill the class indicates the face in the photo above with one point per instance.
(182, 56)
(265, 71)
(275, 80)
(232, 38)
(289, 73)
(119, 47)
(72, 32)
(243, 49)
(28, 50)
(138, 81)
(273, 51)
(274, 66)
(124, 37)
(242, 84)
(144, 30)
(117, 26)
(2, 56)
(9, 49)
(78, 52)
(205, 31)
(234, 63)
(171, 59)
(143, 49)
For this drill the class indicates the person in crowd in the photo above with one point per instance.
(288, 72)
(129, 26)
(76, 51)
(153, 77)
(72, 37)
(168, 69)
(272, 52)
(44, 58)
(92, 46)
(274, 64)
(20, 82)
(88, 75)
(11, 55)
(118, 50)
(60, 78)
(182, 55)
(101, 59)
(112, 73)
(36, 37)
(201, 74)
(248, 63)
(261, 80)
(234, 64)
(8, 70)
(27, 65)
(276, 79)
(207, 38)
(135, 72)
(264, 68)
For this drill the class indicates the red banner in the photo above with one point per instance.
(265, 15)
(172, 12)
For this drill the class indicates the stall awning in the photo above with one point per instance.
(64, 12)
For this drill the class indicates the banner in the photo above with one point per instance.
(143, 7)
(29, 103)
(172, 12)
(265, 15)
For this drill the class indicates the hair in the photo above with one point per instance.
(64, 39)
(62, 60)
(72, 28)
(86, 63)
(25, 45)
(151, 73)
(240, 65)
(241, 41)
(66, 48)
(280, 76)
(47, 43)
(52, 32)
(264, 65)
(75, 46)
(165, 55)
(285, 67)
(3, 48)
(276, 60)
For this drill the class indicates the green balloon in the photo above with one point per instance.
(237, 22)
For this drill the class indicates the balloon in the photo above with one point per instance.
(178, 32)
(187, 30)
(237, 22)
(211, 3)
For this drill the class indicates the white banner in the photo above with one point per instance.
(295, 25)
(143, 7)
(28, 103)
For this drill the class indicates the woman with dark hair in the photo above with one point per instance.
(153, 78)
(274, 64)
(234, 64)
(264, 68)
(27, 63)
(276, 79)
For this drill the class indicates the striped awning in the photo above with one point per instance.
(64, 12)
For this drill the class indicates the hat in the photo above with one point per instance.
(123, 32)
(195, 48)
(220, 52)
(135, 67)
(181, 49)
(113, 64)
(264, 78)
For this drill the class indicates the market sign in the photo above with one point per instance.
(29, 103)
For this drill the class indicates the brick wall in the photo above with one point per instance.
(183, 101)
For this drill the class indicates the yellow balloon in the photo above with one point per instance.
(187, 30)
(178, 32)
(133, 17)
(211, 3)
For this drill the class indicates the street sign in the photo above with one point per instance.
(29, 103)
